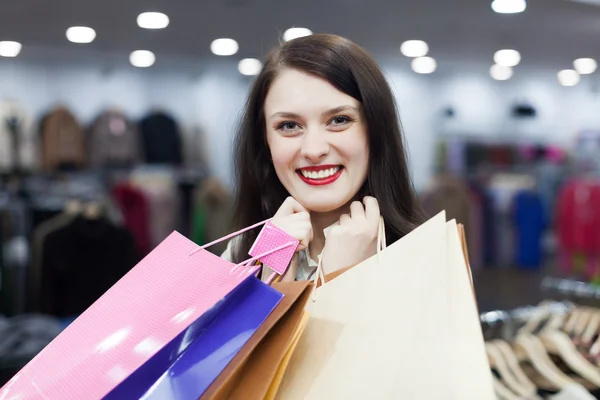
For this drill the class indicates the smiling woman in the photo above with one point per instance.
(320, 150)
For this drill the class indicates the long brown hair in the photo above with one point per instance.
(352, 71)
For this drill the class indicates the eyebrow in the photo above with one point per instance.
(327, 113)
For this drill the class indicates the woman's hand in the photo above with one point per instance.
(293, 219)
(354, 238)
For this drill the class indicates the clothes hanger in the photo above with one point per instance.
(584, 318)
(498, 362)
(560, 344)
(502, 391)
(536, 354)
(92, 211)
(592, 328)
(513, 364)
(572, 321)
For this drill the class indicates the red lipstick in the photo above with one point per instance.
(320, 181)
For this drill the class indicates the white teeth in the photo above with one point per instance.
(325, 173)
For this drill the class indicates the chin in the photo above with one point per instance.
(322, 205)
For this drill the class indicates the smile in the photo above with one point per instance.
(322, 175)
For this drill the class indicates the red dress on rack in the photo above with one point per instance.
(578, 223)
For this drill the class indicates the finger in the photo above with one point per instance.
(357, 210)
(372, 211)
(290, 206)
(344, 219)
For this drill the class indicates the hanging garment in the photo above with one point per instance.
(63, 141)
(136, 214)
(18, 144)
(160, 190)
(530, 225)
(213, 208)
(451, 193)
(113, 141)
(578, 217)
(35, 271)
(15, 255)
(81, 261)
(161, 139)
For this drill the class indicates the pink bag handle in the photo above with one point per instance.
(231, 235)
(250, 260)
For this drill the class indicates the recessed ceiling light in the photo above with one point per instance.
(81, 34)
(153, 20)
(507, 58)
(224, 47)
(10, 48)
(142, 58)
(501, 73)
(294, 33)
(414, 48)
(568, 77)
(424, 65)
(509, 6)
(585, 66)
(249, 66)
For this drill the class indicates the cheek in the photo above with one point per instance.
(282, 152)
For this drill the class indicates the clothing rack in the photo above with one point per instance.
(574, 289)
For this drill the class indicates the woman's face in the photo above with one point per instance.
(318, 140)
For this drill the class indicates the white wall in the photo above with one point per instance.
(212, 97)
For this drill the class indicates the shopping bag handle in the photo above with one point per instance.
(231, 235)
(320, 275)
(250, 260)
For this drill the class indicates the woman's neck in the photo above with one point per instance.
(320, 222)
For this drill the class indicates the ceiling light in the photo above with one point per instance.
(424, 65)
(585, 66)
(10, 49)
(507, 58)
(294, 33)
(81, 34)
(142, 58)
(509, 6)
(501, 73)
(414, 48)
(249, 66)
(568, 77)
(153, 20)
(224, 47)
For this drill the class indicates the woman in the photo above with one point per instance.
(320, 150)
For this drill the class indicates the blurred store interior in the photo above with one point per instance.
(499, 101)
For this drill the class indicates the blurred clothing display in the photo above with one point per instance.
(81, 261)
(530, 224)
(135, 208)
(63, 141)
(212, 213)
(161, 139)
(18, 151)
(113, 141)
(159, 186)
(577, 220)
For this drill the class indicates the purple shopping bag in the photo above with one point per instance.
(209, 345)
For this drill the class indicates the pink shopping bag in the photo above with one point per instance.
(147, 309)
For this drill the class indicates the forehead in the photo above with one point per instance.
(299, 92)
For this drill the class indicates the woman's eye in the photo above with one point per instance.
(340, 120)
(288, 126)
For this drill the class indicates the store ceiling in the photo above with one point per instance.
(460, 33)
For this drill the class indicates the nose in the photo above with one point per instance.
(314, 145)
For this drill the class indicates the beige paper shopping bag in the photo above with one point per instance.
(468, 358)
(382, 329)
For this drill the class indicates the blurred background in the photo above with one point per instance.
(117, 118)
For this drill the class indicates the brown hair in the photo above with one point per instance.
(352, 71)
